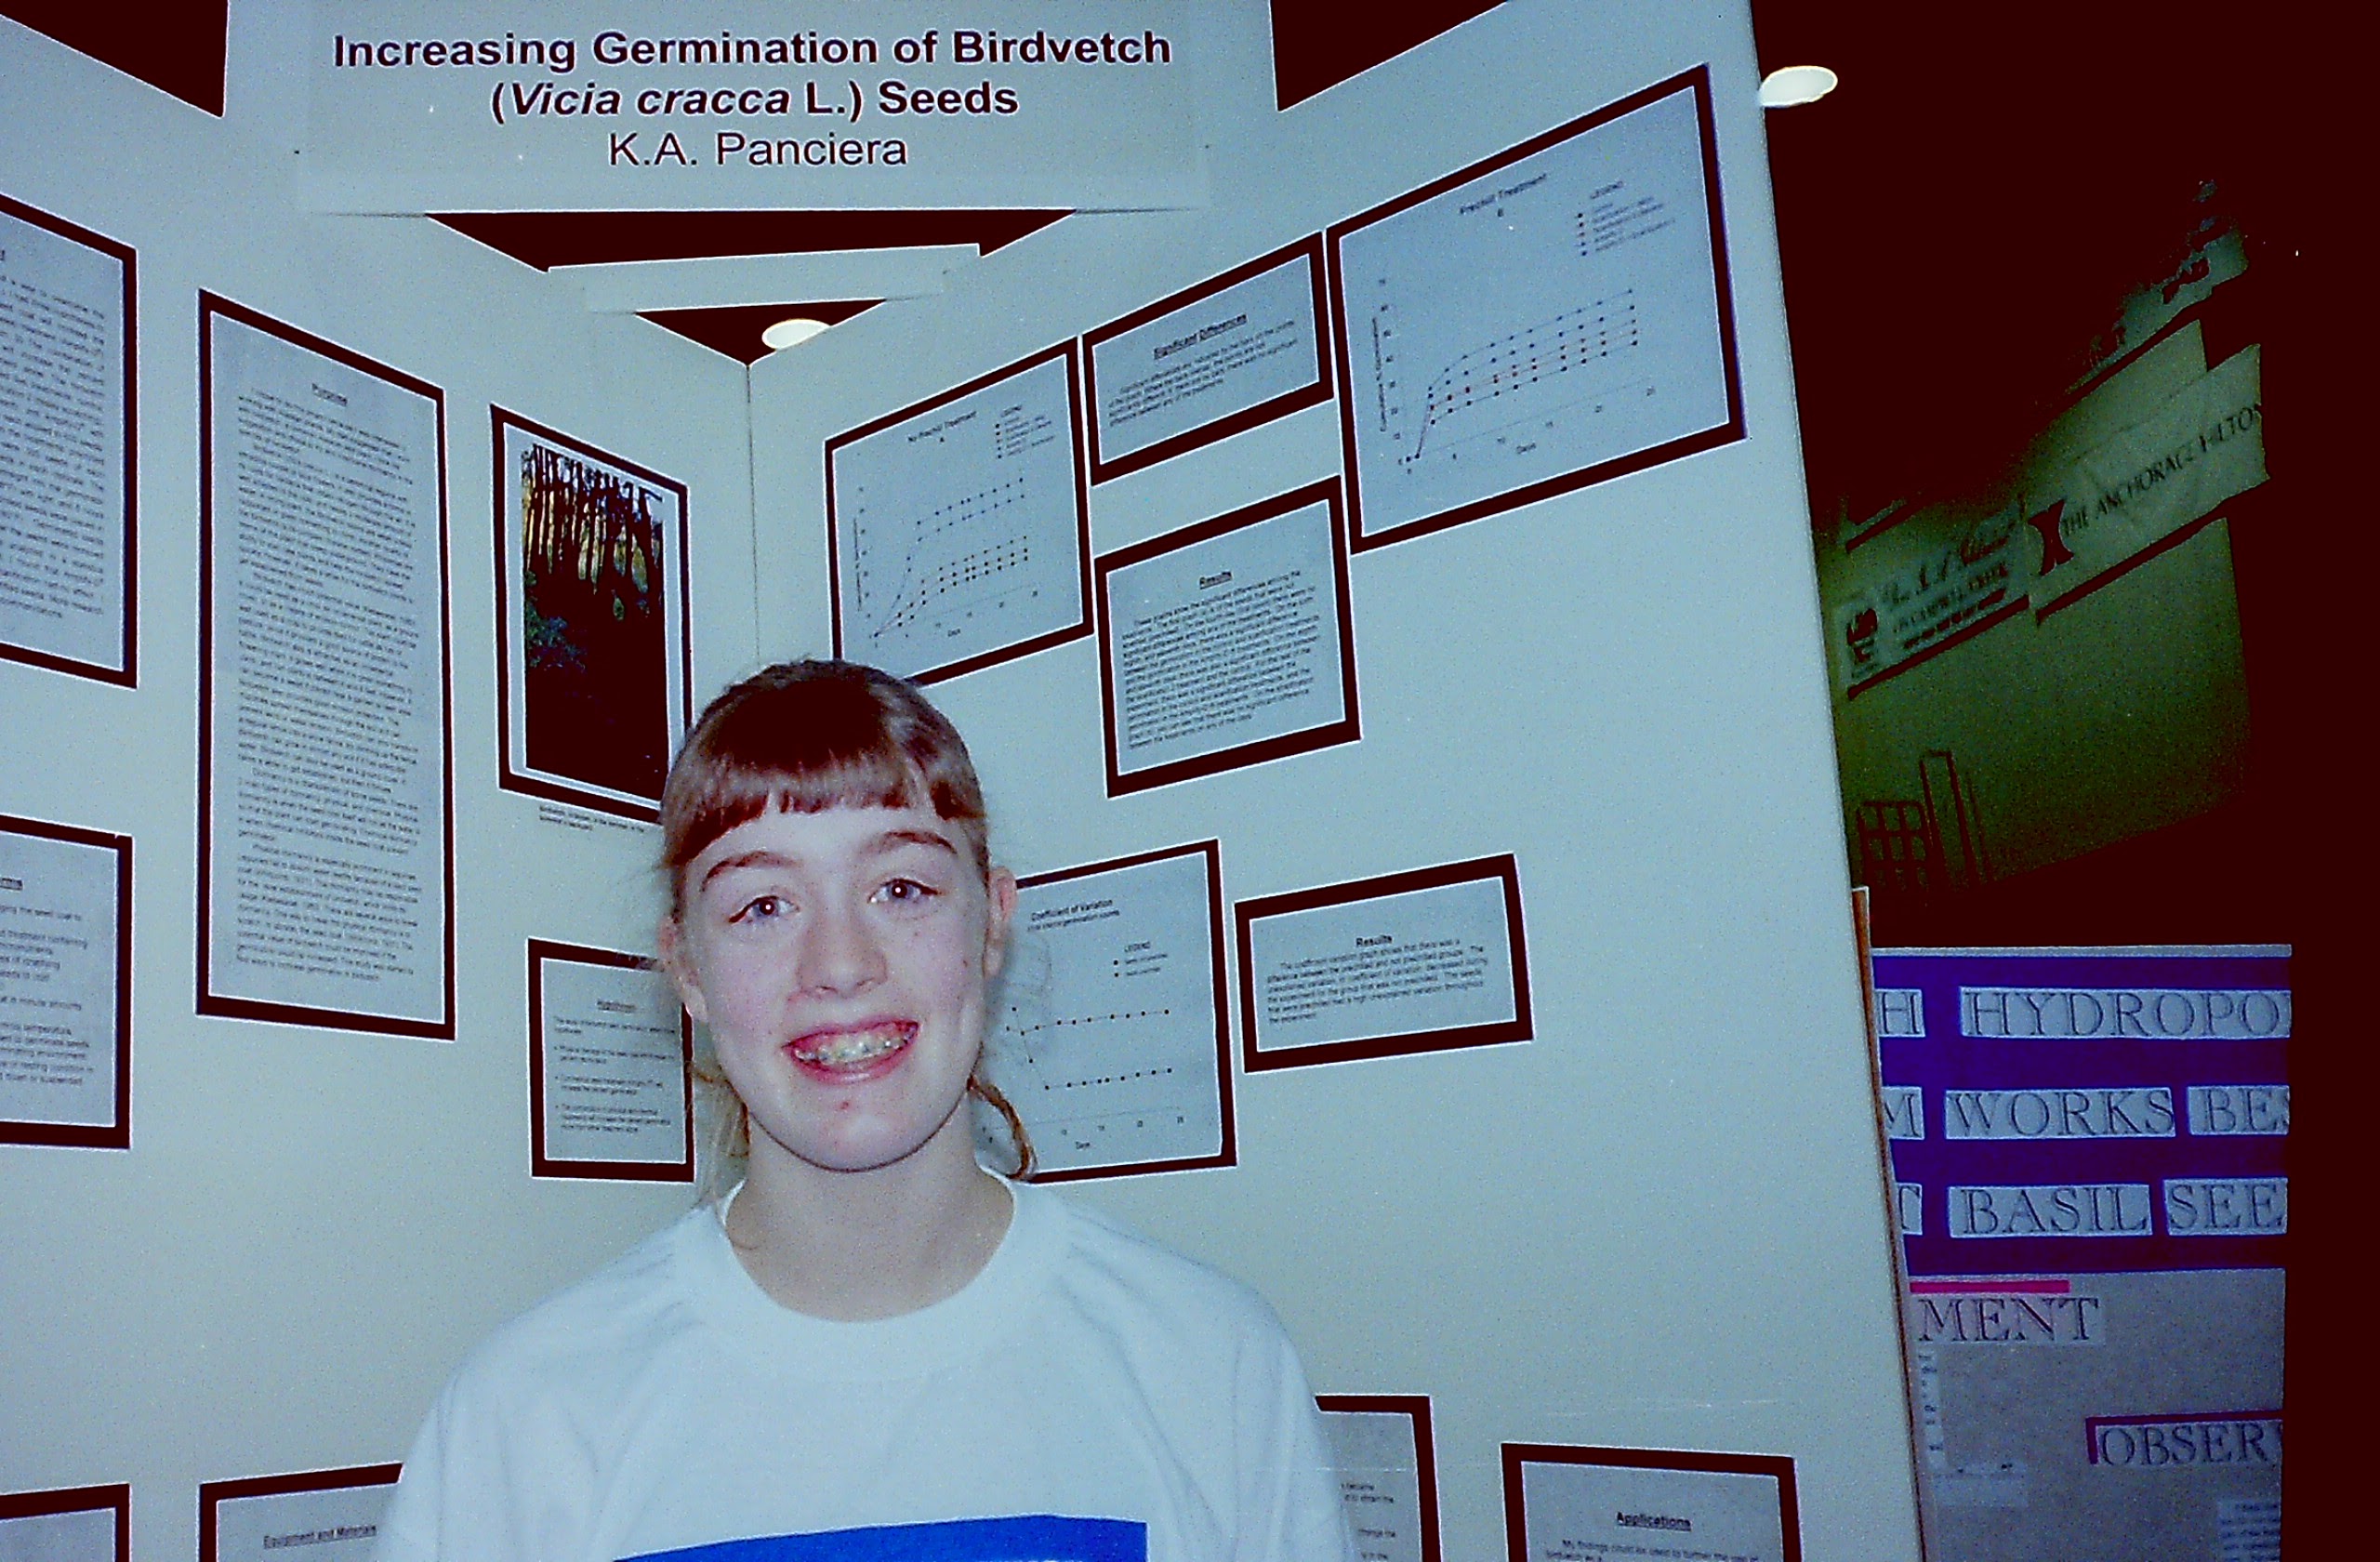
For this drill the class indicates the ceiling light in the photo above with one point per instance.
(791, 333)
(1789, 84)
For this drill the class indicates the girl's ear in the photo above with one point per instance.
(1002, 885)
(680, 969)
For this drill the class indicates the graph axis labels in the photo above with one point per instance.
(1502, 340)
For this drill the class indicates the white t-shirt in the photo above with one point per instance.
(1090, 1397)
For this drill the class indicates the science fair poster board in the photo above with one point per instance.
(1209, 361)
(1228, 642)
(80, 1524)
(1607, 1505)
(65, 985)
(958, 529)
(1114, 1037)
(1553, 316)
(2089, 1149)
(1388, 1473)
(323, 1515)
(1424, 961)
(69, 587)
(591, 631)
(325, 840)
(610, 1067)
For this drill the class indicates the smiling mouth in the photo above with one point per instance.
(854, 1049)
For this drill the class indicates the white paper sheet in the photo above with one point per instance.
(2248, 1528)
(1545, 317)
(615, 1064)
(84, 1535)
(1430, 959)
(58, 939)
(1380, 1476)
(1106, 1042)
(959, 530)
(1225, 643)
(327, 810)
(1234, 349)
(338, 1525)
(62, 511)
(1611, 1513)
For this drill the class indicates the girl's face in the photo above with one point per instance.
(841, 959)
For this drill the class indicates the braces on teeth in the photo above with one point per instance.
(847, 1050)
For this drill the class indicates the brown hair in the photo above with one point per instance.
(803, 738)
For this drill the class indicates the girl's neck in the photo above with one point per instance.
(853, 1245)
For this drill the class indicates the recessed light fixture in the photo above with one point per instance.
(1790, 85)
(791, 333)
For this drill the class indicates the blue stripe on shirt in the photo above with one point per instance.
(1033, 1537)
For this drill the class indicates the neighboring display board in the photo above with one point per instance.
(1228, 642)
(2090, 1152)
(323, 1515)
(1553, 316)
(957, 530)
(610, 1067)
(84, 1524)
(325, 839)
(68, 453)
(65, 985)
(1587, 1504)
(1114, 1038)
(1388, 1473)
(591, 628)
(1953, 578)
(1207, 363)
(1418, 962)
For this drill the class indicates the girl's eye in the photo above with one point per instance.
(760, 908)
(905, 892)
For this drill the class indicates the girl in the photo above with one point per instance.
(872, 1348)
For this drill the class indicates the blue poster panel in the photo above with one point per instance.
(2089, 1152)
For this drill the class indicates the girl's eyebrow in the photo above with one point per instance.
(914, 837)
(757, 858)
(762, 856)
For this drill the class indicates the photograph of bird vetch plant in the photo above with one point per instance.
(590, 620)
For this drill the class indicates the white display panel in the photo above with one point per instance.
(1112, 1042)
(1553, 316)
(67, 593)
(956, 527)
(327, 841)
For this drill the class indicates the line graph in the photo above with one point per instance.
(1107, 1040)
(957, 523)
(959, 556)
(1555, 364)
(1098, 1087)
(1513, 330)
